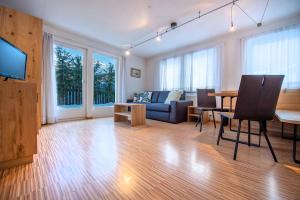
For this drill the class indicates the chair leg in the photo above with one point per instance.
(220, 131)
(259, 137)
(201, 123)
(282, 128)
(198, 120)
(237, 140)
(214, 118)
(268, 141)
(249, 135)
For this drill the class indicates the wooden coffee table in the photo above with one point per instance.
(136, 114)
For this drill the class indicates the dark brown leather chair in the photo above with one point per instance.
(205, 103)
(256, 101)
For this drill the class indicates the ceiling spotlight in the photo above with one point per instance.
(158, 38)
(127, 52)
(173, 25)
(259, 24)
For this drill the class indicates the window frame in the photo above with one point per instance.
(72, 113)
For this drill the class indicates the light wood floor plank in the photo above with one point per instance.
(100, 159)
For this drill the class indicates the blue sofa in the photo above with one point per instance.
(175, 112)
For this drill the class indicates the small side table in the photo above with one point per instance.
(136, 115)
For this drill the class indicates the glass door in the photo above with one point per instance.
(69, 62)
(104, 84)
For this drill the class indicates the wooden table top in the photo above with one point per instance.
(288, 116)
(129, 104)
(224, 94)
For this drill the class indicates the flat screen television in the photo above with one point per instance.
(12, 61)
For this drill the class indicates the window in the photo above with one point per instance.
(170, 73)
(276, 52)
(68, 67)
(200, 69)
(104, 79)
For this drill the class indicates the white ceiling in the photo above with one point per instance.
(121, 22)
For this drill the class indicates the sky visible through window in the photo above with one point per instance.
(105, 59)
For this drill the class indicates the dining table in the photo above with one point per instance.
(223, 95)
(290, 117)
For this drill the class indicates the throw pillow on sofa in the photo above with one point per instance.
(142, 97)
(173, 95)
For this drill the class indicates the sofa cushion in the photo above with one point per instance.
(142, 97)
(155, 95)
(161, 116)
(160, 107)
(174, 95)
(162, 96)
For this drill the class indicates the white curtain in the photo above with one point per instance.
(276, 52)
(199, 69)
(48, 81)
(121, 82)
(202, 69)
(170, 73)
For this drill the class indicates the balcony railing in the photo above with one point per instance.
(73, 96)
(103, 97)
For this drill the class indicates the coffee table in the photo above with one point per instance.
(135, 113)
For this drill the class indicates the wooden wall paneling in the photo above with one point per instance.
(18, 130)
(288, 100)
(25, 32)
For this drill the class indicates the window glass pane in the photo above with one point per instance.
(104, 79)
(68, 67)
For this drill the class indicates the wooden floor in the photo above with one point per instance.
(97, 159)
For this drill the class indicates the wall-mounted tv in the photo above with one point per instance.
(12, 61)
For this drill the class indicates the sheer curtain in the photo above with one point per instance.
(276, 52)
(120, 82)
(199, 69)
(48, 81)
(202, 69)
(170, 73)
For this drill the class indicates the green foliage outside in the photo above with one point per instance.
(104, 83)
(68, 68)
(68, 77)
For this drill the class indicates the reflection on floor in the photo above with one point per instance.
(97, 159)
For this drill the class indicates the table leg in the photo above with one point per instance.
(284, 136)
(225, 120)
(295, 145)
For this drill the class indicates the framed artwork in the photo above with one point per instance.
(136, 73)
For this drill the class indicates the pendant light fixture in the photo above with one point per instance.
(232, 28)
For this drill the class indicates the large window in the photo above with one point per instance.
(276, 52)
(68, 67)
(199, 69)
(104, 79)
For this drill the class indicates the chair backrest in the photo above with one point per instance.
(203, 100)
(258, 96)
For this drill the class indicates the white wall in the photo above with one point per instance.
(133, 84)
(231, 69)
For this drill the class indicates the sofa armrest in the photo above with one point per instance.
(179, 110)
(129, 101)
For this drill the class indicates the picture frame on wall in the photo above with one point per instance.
(136, 73)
